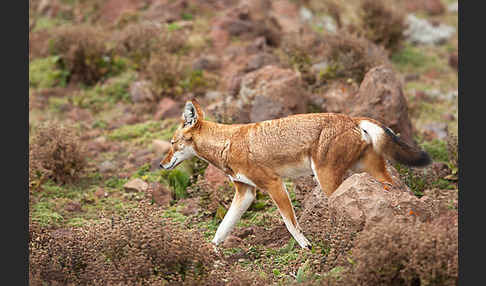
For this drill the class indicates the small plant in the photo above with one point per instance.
(43, 214)
(55, 153)
(411, 56)
(437, 149)
(45, 73)
(415, 182)
(178, 181)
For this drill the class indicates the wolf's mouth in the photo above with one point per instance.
(173, 165)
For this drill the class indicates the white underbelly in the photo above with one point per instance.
(297, 169)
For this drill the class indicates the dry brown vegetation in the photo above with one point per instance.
(140, 41)
(84, 53)
(382, 23)
(142, 248)
(351, 56)
(406, 253)
(55, 153)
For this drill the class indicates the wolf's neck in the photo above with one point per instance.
(213, 142)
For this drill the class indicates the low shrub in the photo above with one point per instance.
(55, 153)
(172, 75)
(83, 51)
(45, 73)
(139, 41)
(142, 248)
(351, 56)
(406, 253)
(382, 23)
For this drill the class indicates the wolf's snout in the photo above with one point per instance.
(161, 165)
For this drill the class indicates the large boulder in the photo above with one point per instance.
(364, 200)
(272, 92)
(381, 97)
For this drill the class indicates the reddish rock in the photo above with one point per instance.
(272, 92)
(364, 200)
(337, 97)
(168, 108)
(79, 114)
(244, 232)
(136, 185)
(434, 7)
(140, 91)
(73, 207)
(111, 10)
(287, 16)
(191, 206)
(381, 97)
(219, 36)
(214, 176)
(454, 60)
(259, 60)
(166, 11)
(160, 194)
(209, 62)
(231, 241)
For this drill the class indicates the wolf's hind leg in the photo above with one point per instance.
(278, 193)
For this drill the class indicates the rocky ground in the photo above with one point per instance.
(107, 82)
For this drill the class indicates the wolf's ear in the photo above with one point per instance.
(193, 114)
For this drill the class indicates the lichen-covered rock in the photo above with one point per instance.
(420, 31)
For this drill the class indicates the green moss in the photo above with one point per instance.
(412, 57)
(44, 214)
(111, 92)
(414, 182)
(174, 214)
(115, 182)
(173, 27)
(145, 132)
(437, 150)
(45, 23)
(45, 73)
(76, 222)
(127, 132)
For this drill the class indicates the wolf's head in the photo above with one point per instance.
(182, 145)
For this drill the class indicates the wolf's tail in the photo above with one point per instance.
(386, 143)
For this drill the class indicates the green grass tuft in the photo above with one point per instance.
(46, 73)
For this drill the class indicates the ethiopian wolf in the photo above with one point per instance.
(259, 155)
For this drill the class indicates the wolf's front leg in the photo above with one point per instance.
(243, 198)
